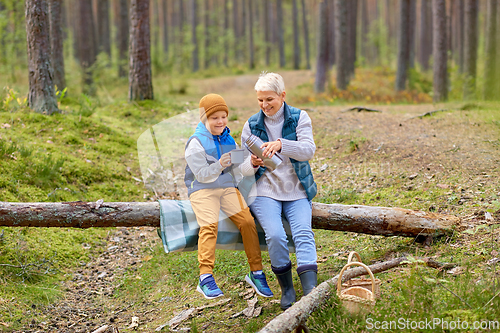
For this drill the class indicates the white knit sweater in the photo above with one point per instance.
(283, 184)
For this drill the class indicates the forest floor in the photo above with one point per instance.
(447, 162)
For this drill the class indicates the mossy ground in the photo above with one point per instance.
(446, 163)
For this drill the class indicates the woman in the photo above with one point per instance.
(288, 189)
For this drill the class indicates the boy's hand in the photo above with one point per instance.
(225, 160)
(256, 161)
(271, 148)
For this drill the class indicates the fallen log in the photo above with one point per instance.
(359, 109)
(300, 311)
(354, 218)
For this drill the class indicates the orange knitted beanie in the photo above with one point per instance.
(212, 103)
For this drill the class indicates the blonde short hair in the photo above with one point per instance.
(270, 82)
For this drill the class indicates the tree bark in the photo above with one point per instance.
(341, 43)
(103, 28)
(226, 30)
(41, 96)
(460, 34)
(250, 35)
(140, 78)
(403, 45)
(425, 49)
(296, 46)
(439, 51)
(281, 34)
(330, 8)
(301, 310)
(365, 24)
(236, 32)
(470, 47)
(122, 37)
(322, 65)
(87, 45)
(490, 63)
(206, 19)
(352, 22)
(194, 39)
(305, 26)
(56, 43)
(411, 33)
(267, 29)
(165, 22)
(354, 218)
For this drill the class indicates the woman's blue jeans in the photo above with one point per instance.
(299, 214)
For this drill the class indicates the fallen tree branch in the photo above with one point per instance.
(360, 108)
(297, 315)
(300, 311)
(430, 113)
(383, 221)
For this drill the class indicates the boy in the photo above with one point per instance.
(211, 182)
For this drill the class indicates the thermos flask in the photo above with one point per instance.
(253, 144)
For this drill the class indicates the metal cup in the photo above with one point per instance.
(237, 156)
(253, 144)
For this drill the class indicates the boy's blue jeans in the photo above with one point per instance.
(299, 214)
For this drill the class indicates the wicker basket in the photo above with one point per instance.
(356, 299)
(361, 282)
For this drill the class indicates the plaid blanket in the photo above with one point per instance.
(179, 229)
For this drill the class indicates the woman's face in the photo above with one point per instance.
(270, 102)
(217, 122)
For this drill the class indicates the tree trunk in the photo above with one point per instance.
(87, 45)
(250, 35)
(236, 32)
(194, 39)
(411, 33)
(305, 26)
(322, 65)
(268, 26)
(490, 63)
(296, 46)
(281, 34)
(226, 31)
(41, 96)
(341, 43)
(470, 47)
(403, 44)
(425, 48)
(56, 43)
(122, 37)
(165, 22)
(460, 34)
(206, 19)
(365, 25)
(352, 22)
(103, 29)
(354, 218)
(439, 51)
(140, 79)
(330, 8)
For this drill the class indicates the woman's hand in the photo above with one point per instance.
(272, 148)
(225, 160)
(256, 161)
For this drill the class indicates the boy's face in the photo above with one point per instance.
(217, 122)
(270, 102)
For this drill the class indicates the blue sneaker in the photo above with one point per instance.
(209, 289)
(259, 283)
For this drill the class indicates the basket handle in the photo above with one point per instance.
(352, 254)
(354, 263)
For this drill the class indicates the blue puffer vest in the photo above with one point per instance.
(215, 146)
(302, 168)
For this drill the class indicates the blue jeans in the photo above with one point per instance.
(299, 214)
